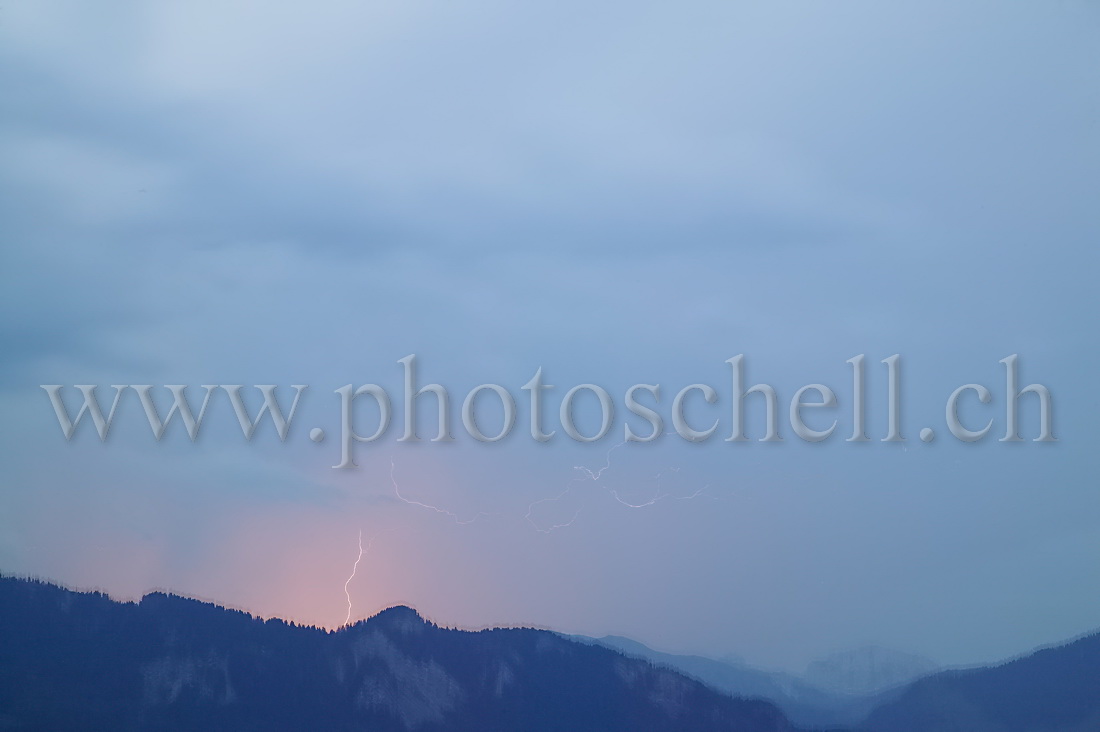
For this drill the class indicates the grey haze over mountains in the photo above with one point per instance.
(871, 689)
(839, 690)
(868, 669)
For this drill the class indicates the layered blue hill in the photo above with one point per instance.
(80, 661)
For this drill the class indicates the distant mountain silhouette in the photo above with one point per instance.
(867, 670)
(81, 661)
(1052, 690)
(804, 703)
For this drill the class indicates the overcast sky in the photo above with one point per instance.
(618, 193)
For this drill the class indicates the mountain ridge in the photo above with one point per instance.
(83, 661)
(1055, 688)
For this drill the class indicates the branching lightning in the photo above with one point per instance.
(552, 499)
(589, 474)
(595, 476)
(437, 509)
(582, 474)
(658, 495)
(607, 463)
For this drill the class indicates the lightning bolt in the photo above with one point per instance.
(586, 474)
(589, 474)
(552, 499)
(658, 495)
(595, 476)
(363, 551)
(354, 569)
(607, 463)
(437, 509)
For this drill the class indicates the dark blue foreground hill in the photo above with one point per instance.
(80, 661)
(1052, 690)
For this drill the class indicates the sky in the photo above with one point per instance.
(616, 193)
